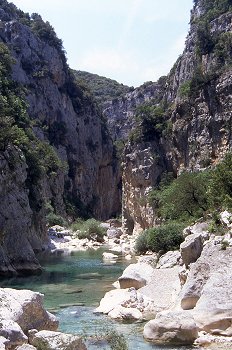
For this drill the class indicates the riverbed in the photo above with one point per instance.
(72, 286)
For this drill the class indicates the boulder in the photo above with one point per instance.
(25, 308)
(4, 343)
(191, 248)
(109, 256)
(192, 289)
(12, 331)
(112, 299)
(198, 228)
(126, 298)
(49, 340)
(208, 290)
(168, 260)
(25, 347)
(136, 275)
(114, 233)
(149, 259)
(124, 313)
(163, 288)
(177, 327)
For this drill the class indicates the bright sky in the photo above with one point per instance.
(131, 41)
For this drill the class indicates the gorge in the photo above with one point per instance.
(75, 146)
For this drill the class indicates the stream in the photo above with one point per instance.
(73, 286)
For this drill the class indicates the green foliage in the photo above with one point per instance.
(16, 127)
(185, 197)
(52, 218)
(220, 187)
(141, 244)
(102, 88)
(119, 146)
(223, 48)
(90, 229)
(151, 123)
(46, 32)
(185, 89)
(161, 238)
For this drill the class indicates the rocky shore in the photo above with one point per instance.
(185, 295)
(26, 325)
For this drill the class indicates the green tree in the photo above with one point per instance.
(220, 188)
(185, 197)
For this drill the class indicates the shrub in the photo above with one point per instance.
(53, 219)
(90, 229)
(141, 245)
(185, 197)
(220, 188)
(161, 238)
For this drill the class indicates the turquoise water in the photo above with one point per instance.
(72, 287)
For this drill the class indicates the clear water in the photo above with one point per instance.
(72, 287)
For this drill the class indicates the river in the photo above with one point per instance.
(72, 286)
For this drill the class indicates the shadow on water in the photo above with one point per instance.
(72, 286)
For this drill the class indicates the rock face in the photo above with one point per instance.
(63, 114)
(196, 102)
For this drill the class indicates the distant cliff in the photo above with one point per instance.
(56, 155)
(184, 120)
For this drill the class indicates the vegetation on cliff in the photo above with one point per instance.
(103, 89)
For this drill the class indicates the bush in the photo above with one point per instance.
(162, 238)
(53, 219)
(141, 245)
(90, 229)
(185, 197)
(220, 188)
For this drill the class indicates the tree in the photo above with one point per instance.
(220, 188)
(186, 196)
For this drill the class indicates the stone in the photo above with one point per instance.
(172, 327)
(13, 332)
(114, 233)
(163, 288)
(49, 340)
(191, 248)
(112, 299)
(168, 260)
(226, 218)
(4, 343)
(136, 275)
(198, 228)
(25, 347)
(125, 313)
(197, 278)
(150, 259)
(127, 299)
(208, 288)
(109, 256)
(26, 308)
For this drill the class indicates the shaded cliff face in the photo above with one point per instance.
(196, 102)
(62, 114)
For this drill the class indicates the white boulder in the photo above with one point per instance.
(136, 275)
(177, 327)
(25, 308)
(49, 340)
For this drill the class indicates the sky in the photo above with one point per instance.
(131, 41)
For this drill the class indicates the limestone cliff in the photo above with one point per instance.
(61, 114)
(195, 100)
